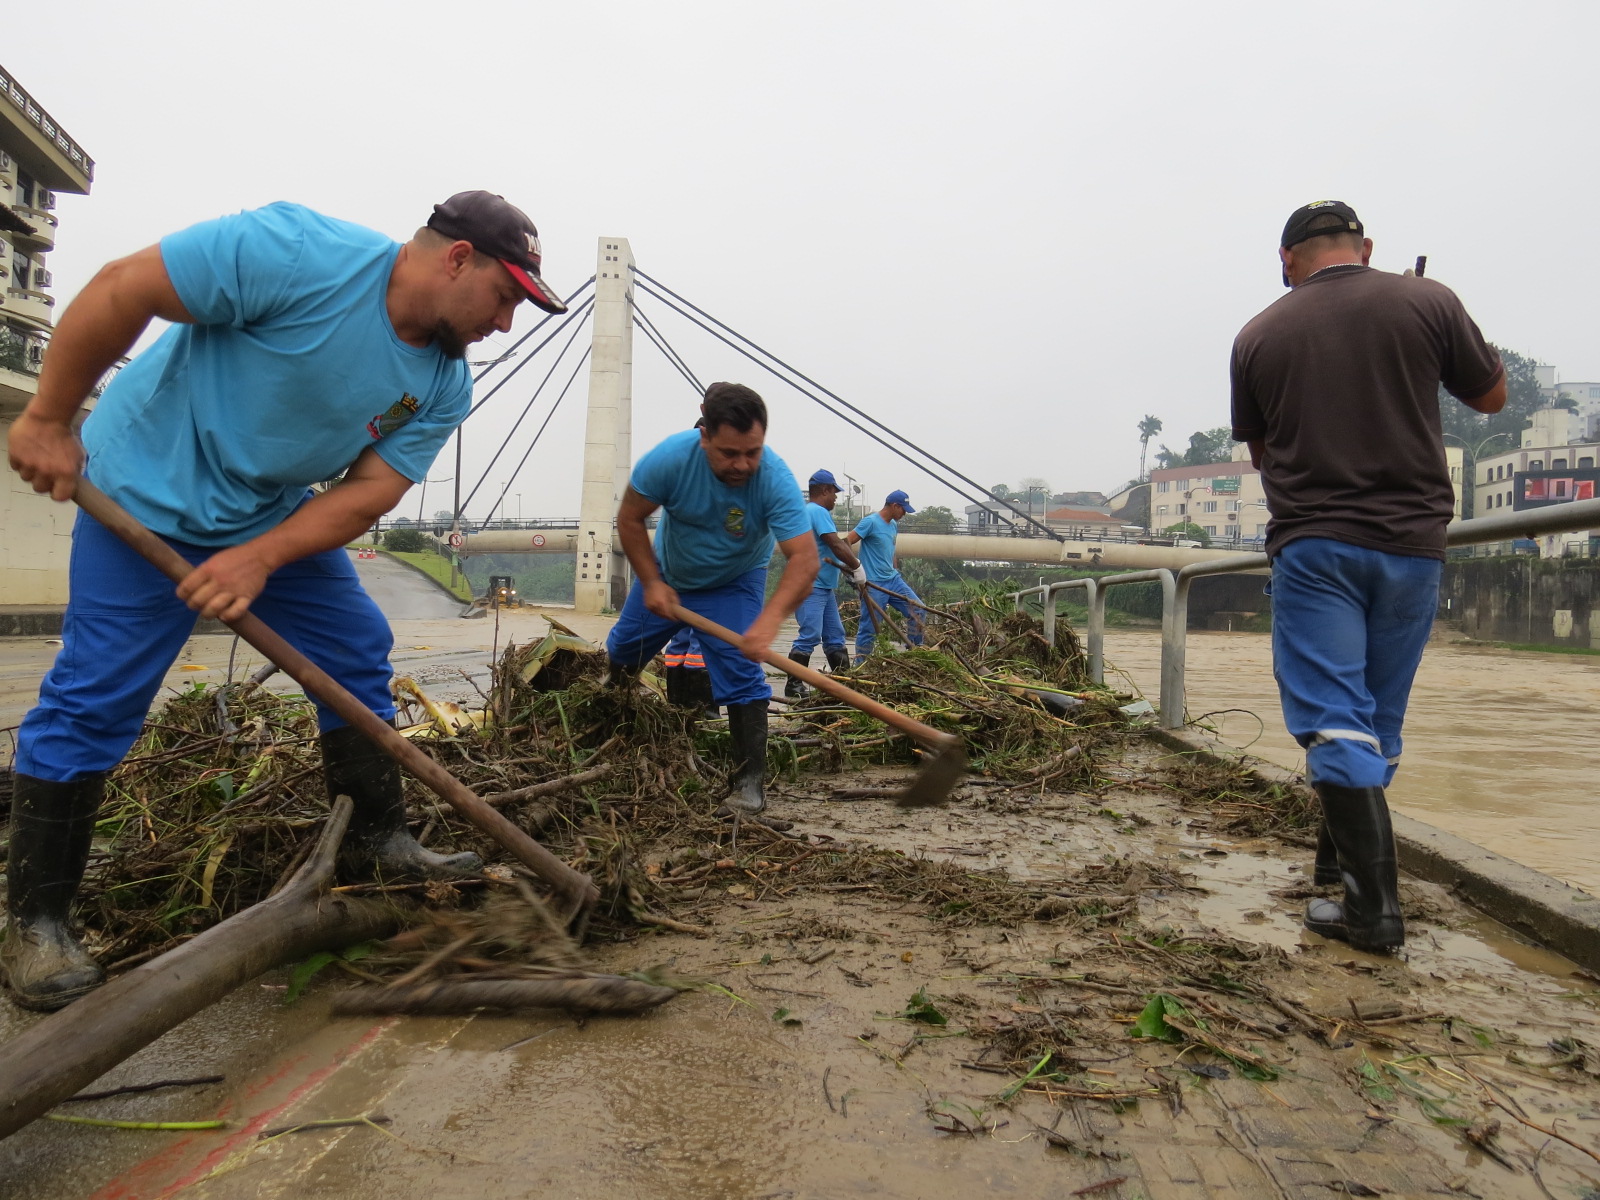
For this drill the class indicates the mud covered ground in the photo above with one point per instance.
(855, 1039)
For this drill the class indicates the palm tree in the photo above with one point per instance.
(1148, 428)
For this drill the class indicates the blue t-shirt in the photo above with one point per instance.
(821, 523)
(213, 435)
(876, 550)
(710, 533)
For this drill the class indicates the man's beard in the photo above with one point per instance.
(448, 341)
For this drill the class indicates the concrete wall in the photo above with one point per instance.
(37, 541)
(1542, 602)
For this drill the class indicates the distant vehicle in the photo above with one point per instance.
(501, 592)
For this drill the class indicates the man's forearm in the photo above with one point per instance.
(97, 329)
(635, 539)
(794, 585)
(335, 518)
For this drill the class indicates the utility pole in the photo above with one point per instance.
(602, 570)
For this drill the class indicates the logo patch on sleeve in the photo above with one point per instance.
(396, 415)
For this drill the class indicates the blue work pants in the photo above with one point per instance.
(1348, 628)
(902, 599)
(639, 634)
(125, 625)
(818, 617)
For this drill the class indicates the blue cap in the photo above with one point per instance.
(900, 498)
(824, 478)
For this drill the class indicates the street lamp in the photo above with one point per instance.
(1250, 504)
(422, 500)
(519, 508)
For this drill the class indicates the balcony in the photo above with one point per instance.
(56, 160)
(43, 237)
(21, 358)
(31, 305)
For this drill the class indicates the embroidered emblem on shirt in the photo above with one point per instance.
(396, 415)
(734, 522)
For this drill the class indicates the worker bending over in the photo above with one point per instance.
(876, 534)
(818, 616)
(725, 499)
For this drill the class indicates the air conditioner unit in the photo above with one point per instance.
(6, 161)
(35, 353)
(47, 198)
(43, 278)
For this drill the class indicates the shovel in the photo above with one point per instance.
(576, 887)
(946, 761)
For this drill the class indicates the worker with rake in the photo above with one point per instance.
(818, 616)
(877, 533)
(302, 349)
(1335, 388)
(724, 499)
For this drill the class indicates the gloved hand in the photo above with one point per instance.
(859, 576)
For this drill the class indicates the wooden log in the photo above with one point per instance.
(584, 994)
(56, 1057)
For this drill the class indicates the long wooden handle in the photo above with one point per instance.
(317, 682)
(924, 733)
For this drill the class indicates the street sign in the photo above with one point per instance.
(455, 541)
(538, 540)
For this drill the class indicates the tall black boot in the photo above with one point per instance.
(747, 727)
(697, 687)
(378, 844)
(794, 689)
(678, 687)
(51, 827)
(838, 659)
(1369, 917)
(1326, 872)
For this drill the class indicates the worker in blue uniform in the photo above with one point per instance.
(876, 534)
(725, 499)
(818, 615)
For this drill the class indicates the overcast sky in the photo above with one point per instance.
(1007, 230)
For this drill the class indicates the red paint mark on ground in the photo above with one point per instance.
(151, 1179)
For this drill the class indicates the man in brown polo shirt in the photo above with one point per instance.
(1335, 389)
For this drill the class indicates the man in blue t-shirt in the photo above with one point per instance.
(725, 500)
(302, 349)
(818, 615)
(876, 534)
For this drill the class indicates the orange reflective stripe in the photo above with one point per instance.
(697, 661)
(675, 660)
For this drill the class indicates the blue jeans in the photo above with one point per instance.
(125, 625)
(1348, 628)
(818, 617)
(639, 635)
(903, 599)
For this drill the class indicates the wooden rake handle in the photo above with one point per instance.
(575, 885)
(926, 734)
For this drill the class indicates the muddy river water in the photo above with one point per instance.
(1499, 744)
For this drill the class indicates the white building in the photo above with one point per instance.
(1555, 464)
(37, 161)
(1224, 499)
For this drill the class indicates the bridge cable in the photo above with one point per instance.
(588, 350)
(660, 339)
(554, 366)
(980, 496)
(841, 400)
(567, 319)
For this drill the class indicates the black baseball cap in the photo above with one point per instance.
(501, 230)
(1297, 231)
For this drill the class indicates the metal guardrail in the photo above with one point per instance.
(34, 111)
(1175, 584)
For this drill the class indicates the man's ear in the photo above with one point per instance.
(1366, 251)
(458, 257)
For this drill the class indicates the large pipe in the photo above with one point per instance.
(967, 547)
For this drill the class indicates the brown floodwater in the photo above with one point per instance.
(1499, 744)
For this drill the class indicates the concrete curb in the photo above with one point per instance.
(1536, 905)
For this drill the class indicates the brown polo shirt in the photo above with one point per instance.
(1340, 379)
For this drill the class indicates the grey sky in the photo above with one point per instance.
(1008, 230)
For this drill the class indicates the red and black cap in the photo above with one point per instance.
(501, 230)
(1297, 229)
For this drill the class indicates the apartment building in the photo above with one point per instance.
(38, 162)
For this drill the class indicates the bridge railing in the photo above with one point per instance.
(1175, 585)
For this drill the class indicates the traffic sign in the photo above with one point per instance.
(538, 540)
(455, 541)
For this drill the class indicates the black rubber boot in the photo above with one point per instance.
(700, 695)
(747, 727)
(52, 824)
(794, 689)
(1326, 872)
(378, 845)
(838, 660)
(1369, 918)
(678, 686)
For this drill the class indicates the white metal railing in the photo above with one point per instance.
(33, 111)
(1175, 584)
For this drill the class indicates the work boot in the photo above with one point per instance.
(794, 689)
(838, 659)
(47, 967)
(1326, 872)
(747, 728)
(1357, 820)
(678, 686)
(700, 695)
(378, 845)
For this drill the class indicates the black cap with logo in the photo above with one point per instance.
(1297, 229)
(501, 230)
